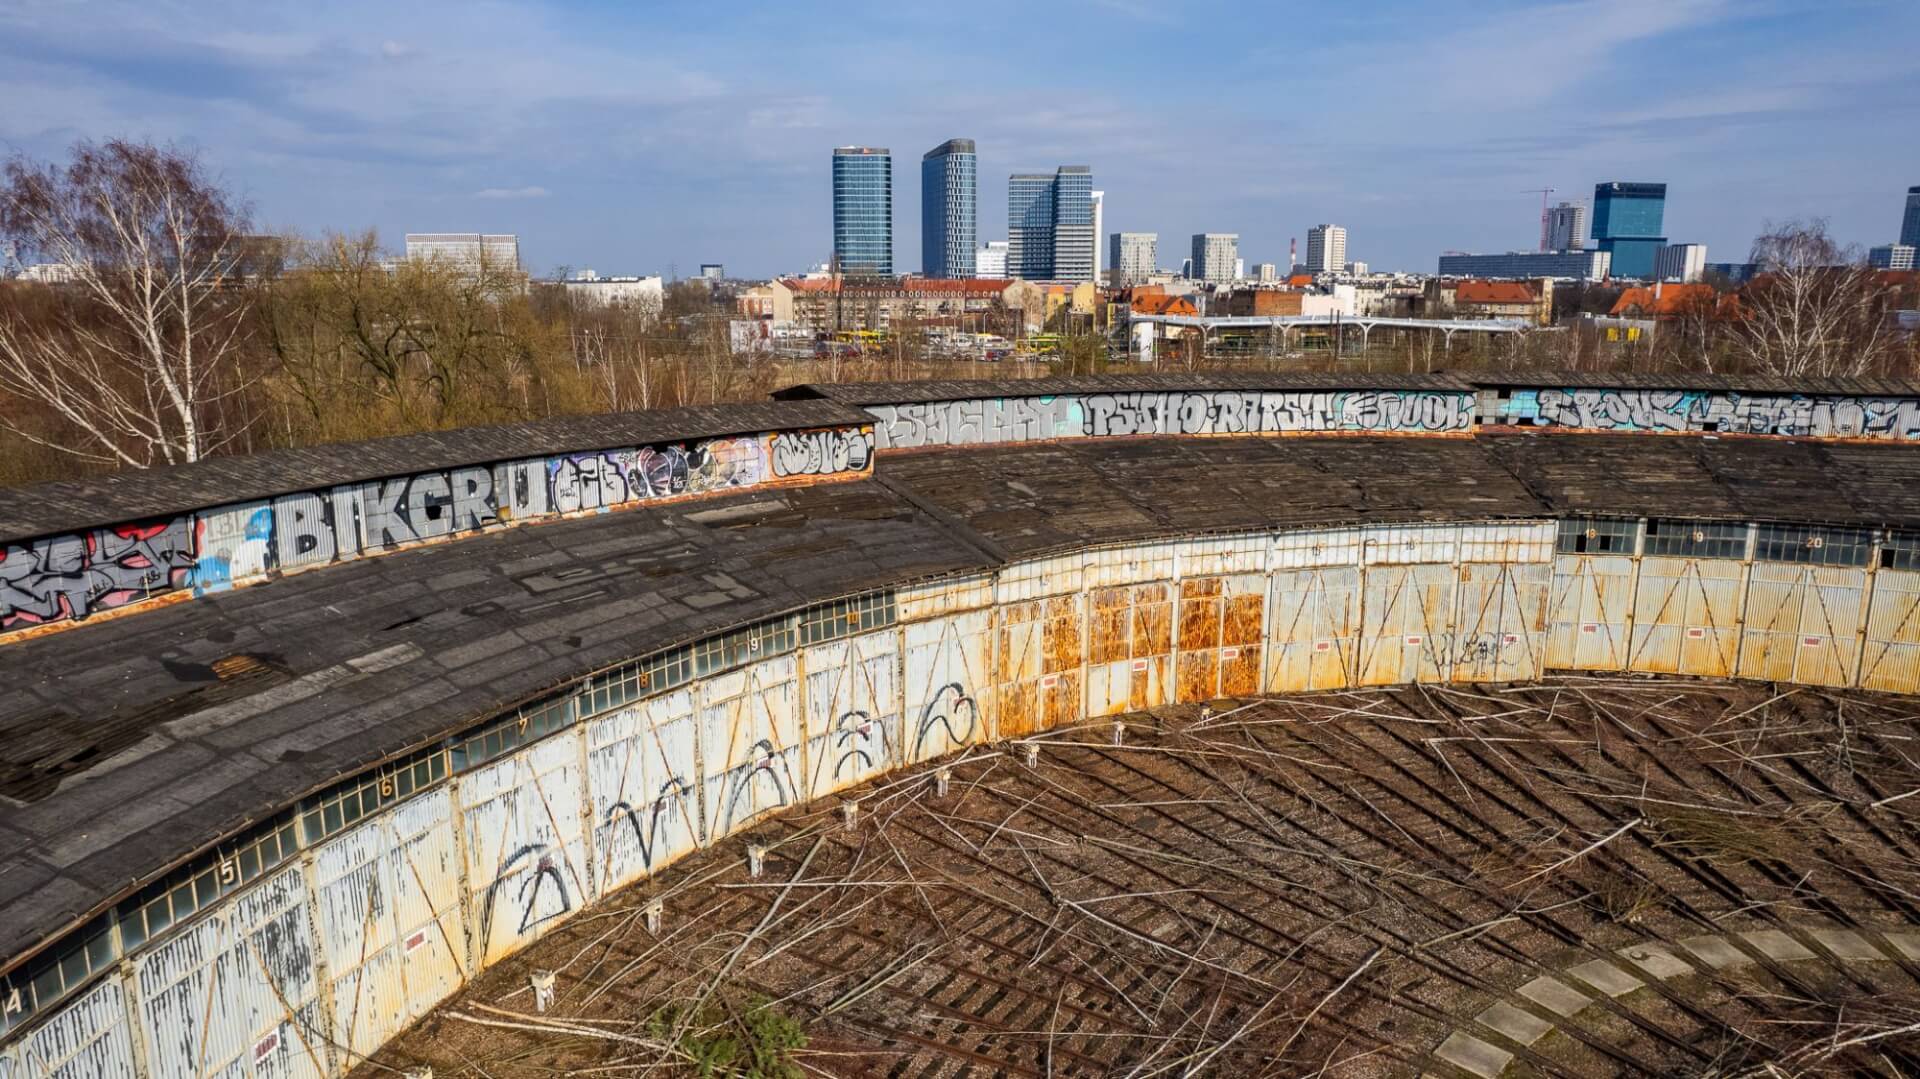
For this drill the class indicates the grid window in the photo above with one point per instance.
(769, 638)
(186, 891)
(56, 973)
(1696, 539)
(330, 812)
(1900, 550)
(528, 723)
(1814, 546)
(830, 621)
(1597, 535)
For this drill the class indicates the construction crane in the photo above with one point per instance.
(1543, 192)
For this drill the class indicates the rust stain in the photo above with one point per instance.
(1060, 704)
(1153, 626)
(1149, 688)
(1241, 622)
(1199, 675)
(1240, 675)
(1199, 620)
(1061, 640)
(1107, 625)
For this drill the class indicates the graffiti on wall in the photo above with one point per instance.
(529, 884)
(764, 781)
(1804, 415)
(1109, 415)
(657, 818)
(828, 452)
(71, 576)
(950, 719)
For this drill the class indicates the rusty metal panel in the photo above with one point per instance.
(1686, 617)
(1507, 541)
(946, 596)
(750, 743)
(1587, 613)
(1314, 628)
(640, 779)
(947, 681)
(527, 863)
(1405, 610)
(1499, 623)
(1770, 632)
(1311, 548)
(1131, 564)
(1061, 696)
(853, 710)
(1892, 660)
(87, 1037)
(1040, 577)
(1039, 657)
(389, 919)
(1829, 642)
(1218, 616)
(1219, 556)
(236, 992)
(1129, 640)
(1410, 545)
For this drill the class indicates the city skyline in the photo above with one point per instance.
(532, 121)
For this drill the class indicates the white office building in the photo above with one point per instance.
(467, 252)
(1357, 269)
(991, 260)
(1214, 255)
(1266, 273)
(1326, 249)
(1567, 227)
(589, 288)
(1516, 265)
(1891, 257)
(1680, 262)
(1099, 229)
(1135, 254)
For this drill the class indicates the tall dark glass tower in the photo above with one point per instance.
(1910, 225)
(949, 210)
(863, 210)
(1627, 224)
(1050, 225)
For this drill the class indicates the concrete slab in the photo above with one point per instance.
(1906, 942)
(1468, 1053)
(1848, 945)
(1555, 995)
(1718, 952)
(1516, 1023)
(1657, 961)
(1606, 977)
(1777, 945)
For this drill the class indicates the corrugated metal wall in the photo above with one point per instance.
(405, 905)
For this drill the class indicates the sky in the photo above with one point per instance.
(649, 137)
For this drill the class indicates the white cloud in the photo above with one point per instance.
(528, 192)
(393, 50)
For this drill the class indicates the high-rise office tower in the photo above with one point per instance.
(990, 261)
(1214, 254)
(1099, 237)
(1135, 254)
(467, 252)
(1326, 249)
(1891, 257)
(1627, 219)
(1910, 225)
(1050, 225)
(1567, 227)
(863, 210)
(1680, 262)
(949, 210)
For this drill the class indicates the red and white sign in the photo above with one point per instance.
(1810, 642)
(1695, 633)
(1323, 646)
(415, 939)
(1139, 664)
(1510, 639)
(1415, 638)
(1589, 627)
(1048, 681)
(264, 1048)
(1229, 653)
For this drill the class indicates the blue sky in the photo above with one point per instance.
(644, 137)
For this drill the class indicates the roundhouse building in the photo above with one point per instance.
(1420, 724)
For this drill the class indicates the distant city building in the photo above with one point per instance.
(1186, 268)
(1326, 249)
(1627, 224)
(1567, 227)
(867, 304)
(990, 262)
(713, 271)
(1357, 269)
(50, 273)
(1135, 255)
(949, 210)
(1910, 225)
(1266, 273)
(1891, 257)
(1099, 224)
(1736, 273)
(1681, 262)
(590, 288)
(1050, 225)
(1523, 265)
(1214, 254)
(863, 210)
(467, 252)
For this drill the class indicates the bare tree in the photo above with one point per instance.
(1813, 309)
(135, 366)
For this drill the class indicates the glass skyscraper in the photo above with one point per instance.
(1627, 221)
(863, 210)
(949, 209)
(1910, 225)
(1050, 225)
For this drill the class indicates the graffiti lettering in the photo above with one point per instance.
(859, 744)
(1802, 415)
(821, 453)
(953, 712)
(533, 873)
(659, 814)
(765, 768)
(75, 575)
